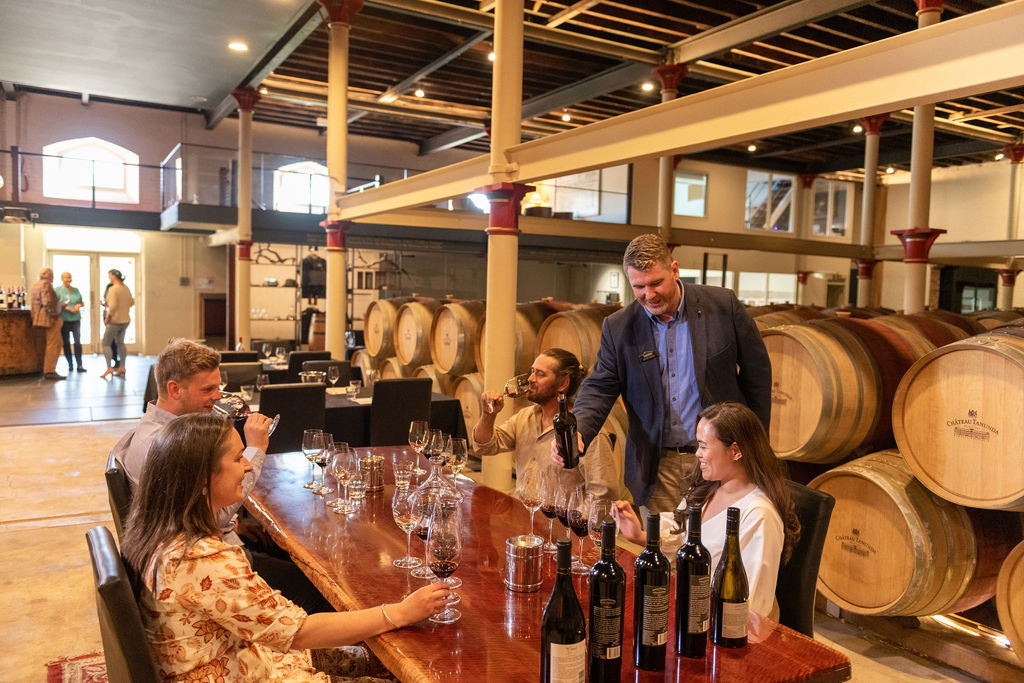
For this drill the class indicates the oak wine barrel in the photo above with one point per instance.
(793, 316)
(468, 389)
(530, 316)
(453, 335)
(577, 331)
(938, 332)
(392, 369)
(1010, 599)
(440, 382)
(962, 321)
(992, 319)
(317, 340)
(832, 385)
(366, 363)
(957, 420)
(895, 548)
(412, 332)
(379, 326)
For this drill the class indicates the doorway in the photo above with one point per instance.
(89, 274)
(213, 314)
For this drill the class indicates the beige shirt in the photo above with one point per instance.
(523, 434)
(44, 303)
(119, 300)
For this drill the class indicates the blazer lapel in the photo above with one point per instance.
(651, 369)
(698, 332)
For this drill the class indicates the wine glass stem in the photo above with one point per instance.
(346, 493)
(533, 514)
(408, 543)
(551, 529)
(312, 472)
(581, 548)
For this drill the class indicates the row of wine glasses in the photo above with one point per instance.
(279, 354)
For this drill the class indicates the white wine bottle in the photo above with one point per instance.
(563, 632)
(729, 592)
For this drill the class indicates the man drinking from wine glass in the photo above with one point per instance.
(530, 432)
(188, 381)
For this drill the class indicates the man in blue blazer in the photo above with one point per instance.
(675, 350)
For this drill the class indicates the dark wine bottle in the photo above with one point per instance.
(564, 423)
(650, 601)
(607, 602)
(729, 590)
(563, 632)
(693, 591)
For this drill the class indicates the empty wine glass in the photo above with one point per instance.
(578, 513)
(549, 492)
(262, 380)
(265, 349)
(528, 490)
(354, 387)
(321, 459)
(280, 353)
(223, 380)
(600, 510)
(458, 457)
(342, 463)
(406, 514)
(333, 374)
(401, 466)
(418, 439)
(444, 550)
(312, 444)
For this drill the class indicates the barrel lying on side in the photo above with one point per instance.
(577, 331)
(379, 326)
(1010, 599)
(453, 334)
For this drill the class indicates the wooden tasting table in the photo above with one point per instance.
(498, 637)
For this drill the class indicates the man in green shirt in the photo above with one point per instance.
(72, 319)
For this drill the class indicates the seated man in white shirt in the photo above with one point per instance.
(188, 381)
(529, 432)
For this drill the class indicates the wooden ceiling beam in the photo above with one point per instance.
(570, 12)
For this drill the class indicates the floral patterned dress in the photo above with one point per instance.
(210, 618)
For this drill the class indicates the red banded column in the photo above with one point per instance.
(872, 129)
(865, 273)
(801, 285)
(916, 245)
(339, 20)
(247, 99)
(1007, 280)
(669, 75)
(923, 139)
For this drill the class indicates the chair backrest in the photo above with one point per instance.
(798, 578)
(345, 374)
(396, 403)
(301, 407)
(125, 647)
(119, 490)
(256, 344)
(241, 373)
(239, 356)
(297, 358)
(152, 392)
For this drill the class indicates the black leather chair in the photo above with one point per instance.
(240, 373)
(119, 491)
(345, 374)
(396, 403)
(798, 578)
(125, 647)
(239, 357)
(301, 407)
(297, 358)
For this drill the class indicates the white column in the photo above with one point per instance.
(246, 98)
(669, 75)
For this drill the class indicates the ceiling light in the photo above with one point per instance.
(238, 46)
(858, 128)
(263, 91)
(1000, 156)
(751, 147)
(566, 117)
(890, 170)
(419, 92)
(491, 56)
(647, 86)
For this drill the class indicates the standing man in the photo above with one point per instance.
(530, 432)
(46, 316)
(674, 351)
(71, 299)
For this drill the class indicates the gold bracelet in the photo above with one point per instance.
(387, 618)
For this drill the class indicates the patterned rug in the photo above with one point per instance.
(81, 669)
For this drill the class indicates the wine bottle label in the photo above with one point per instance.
(568, 662)
(700, 604)
(655, 616)
(606, 629)
(734, 619)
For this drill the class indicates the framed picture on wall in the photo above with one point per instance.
(613, 280)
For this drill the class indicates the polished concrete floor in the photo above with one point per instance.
(56, 438)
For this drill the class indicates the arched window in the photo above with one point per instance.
(301, 187)
(75, 169)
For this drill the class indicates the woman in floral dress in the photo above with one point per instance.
(207, 615)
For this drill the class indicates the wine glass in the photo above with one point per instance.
(354, 387)
(549, 492)
(458, 457)
(280, 353)
(321, 460)
(333, 374)
(262, 380)
(517, 386)
(406, 514)
(444, 550)
(528, 491)
(434, 446)
(234, 407)
(312, 444)
(401, 465)
(424, 501)
(265, 349)
(223, 380)
(342, 464)
(600, 510)
(578, 513)
(418, 439)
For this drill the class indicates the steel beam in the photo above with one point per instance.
(396, 90)
(985, 113)
(570, 12)
(996, 250)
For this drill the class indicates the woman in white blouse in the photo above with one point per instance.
(736, 468)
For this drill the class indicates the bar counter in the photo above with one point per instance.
(21, 348)
(498, 637)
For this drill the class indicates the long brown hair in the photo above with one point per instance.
(568, 366)
(173, 497)
(736, 423)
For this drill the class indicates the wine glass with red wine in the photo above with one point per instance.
(234, 407)
(578, 514)
(549, 493)
(444, 549)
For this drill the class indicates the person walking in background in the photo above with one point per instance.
(71, 299)
(118, 301)
(673, 351)
(46, 316)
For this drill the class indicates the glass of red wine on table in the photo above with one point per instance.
(549, 494)
(444, 548)
(578, 514)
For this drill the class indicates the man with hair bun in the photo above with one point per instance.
(675, 350)
(530, 433)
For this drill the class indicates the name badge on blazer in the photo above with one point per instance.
(648, 355)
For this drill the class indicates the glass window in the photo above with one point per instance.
(88, 168)
(769, 200)
(831, 207)
(690, 193)
(301, 187)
